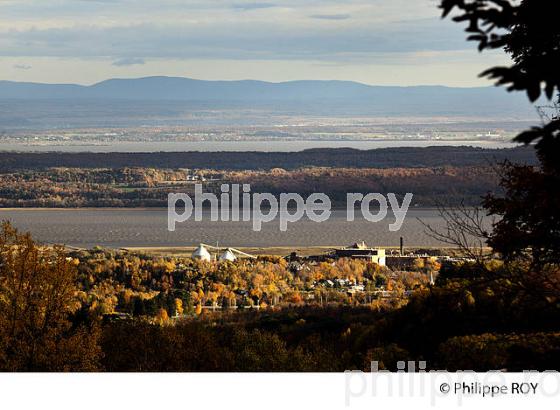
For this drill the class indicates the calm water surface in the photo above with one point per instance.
(148, 228)
(260, 146)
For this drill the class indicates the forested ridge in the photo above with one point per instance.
(149, 187)
(320, 157)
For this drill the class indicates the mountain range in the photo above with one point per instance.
(171, 96)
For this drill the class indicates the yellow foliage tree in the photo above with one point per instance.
(38, 296)
(179, 306)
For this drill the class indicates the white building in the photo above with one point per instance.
(228, 255)
(201, 253)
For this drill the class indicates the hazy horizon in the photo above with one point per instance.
(401, 42)
(132, 77)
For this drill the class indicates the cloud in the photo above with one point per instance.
(238, 40)
(99, 1)
(330, 16)
(126, 61)
(131, 31)
(22, 67)
(264, 39)
(252, 6)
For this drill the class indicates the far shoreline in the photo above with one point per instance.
(310, 250)
(162, 208)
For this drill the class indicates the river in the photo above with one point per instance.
(148, 228)
(259, 146)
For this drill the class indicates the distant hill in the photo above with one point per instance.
(145, 95)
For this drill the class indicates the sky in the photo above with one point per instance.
(378, 42)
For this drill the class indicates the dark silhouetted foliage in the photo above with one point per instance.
(529, 31)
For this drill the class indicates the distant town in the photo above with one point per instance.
(303, 129)
(354, 275)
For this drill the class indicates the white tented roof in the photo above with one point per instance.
(228, 256)
(201, 253)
